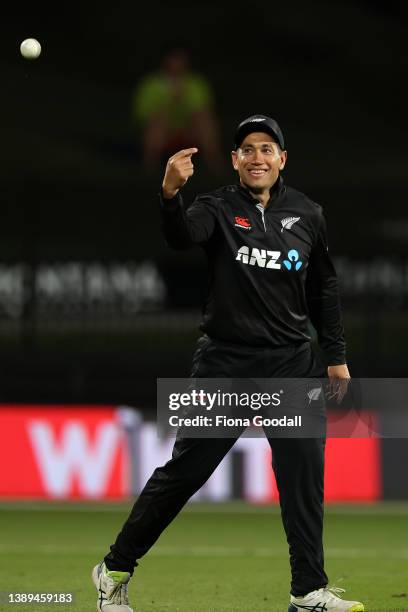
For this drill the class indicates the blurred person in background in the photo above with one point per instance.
(172, 108)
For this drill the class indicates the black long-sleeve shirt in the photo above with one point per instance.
(269, 271)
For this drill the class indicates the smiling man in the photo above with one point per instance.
(270, 275)
(259, 160)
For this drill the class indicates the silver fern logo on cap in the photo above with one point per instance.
(288, 222)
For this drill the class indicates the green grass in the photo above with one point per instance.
(229, 558)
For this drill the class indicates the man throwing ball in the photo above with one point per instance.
(270, 274)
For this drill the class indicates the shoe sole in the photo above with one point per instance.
(356, 608)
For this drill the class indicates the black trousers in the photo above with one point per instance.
(298, 464)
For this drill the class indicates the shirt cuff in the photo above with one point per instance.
(333, 360)
(169, 203)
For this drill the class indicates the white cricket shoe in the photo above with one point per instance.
(112, 587)
(324, 599)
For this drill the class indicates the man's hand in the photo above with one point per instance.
(339, 378)
(178, 170)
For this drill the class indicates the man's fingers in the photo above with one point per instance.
(184, 161)
(182, 166)
(183, 153)
(337, 388)
(344, 383)
(179, 169)
(187, 152)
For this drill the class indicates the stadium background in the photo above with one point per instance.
(93, 306)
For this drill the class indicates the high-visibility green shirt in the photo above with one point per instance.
(154, 94)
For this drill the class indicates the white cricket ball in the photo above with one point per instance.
(30, 48)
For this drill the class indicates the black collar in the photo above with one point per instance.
(277, 190)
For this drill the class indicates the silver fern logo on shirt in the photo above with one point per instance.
(288, 222)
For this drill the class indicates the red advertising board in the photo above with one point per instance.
(62, 452)
(82, 452)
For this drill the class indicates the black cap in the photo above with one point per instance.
(259, 123)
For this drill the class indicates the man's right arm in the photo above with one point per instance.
(184, 228)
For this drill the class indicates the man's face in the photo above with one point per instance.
(258, 161)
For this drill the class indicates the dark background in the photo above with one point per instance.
(73, 190)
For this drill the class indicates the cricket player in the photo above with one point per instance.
(269, 275)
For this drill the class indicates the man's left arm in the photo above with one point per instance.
(323, 299)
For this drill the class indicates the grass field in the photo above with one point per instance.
(229, 557)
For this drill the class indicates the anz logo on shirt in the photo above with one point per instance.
(269, 259)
